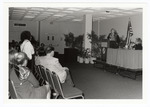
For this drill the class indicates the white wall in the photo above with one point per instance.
(120, 24)
(15, 31)
(58, 29)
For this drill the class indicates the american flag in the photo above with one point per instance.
(129, 34)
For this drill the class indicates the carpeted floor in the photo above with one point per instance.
(100, 84)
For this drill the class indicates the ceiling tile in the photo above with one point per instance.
(68, 13)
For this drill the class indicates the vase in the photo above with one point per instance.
(80, 60)
(86, 60)
(91, 60)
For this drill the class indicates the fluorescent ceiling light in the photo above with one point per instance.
(67, 11)
(127, 8)
(47, 13)
(33, 11)
(74, 9)
(110, 15)
(87, 11)
(37, 8)
(19, 11)
(59, 15)
(69, 17)
(52, 10)
(20, 7)
(127, 12)
(77, 20)
(29, 16)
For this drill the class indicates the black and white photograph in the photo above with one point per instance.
(75, 51)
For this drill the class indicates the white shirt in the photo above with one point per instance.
(27, 48)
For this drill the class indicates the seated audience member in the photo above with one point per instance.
(138, 44)
(12, 54)
(26, 85)
(114, 39)
(52, 63)
(41, 50)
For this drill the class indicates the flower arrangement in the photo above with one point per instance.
(87, 53)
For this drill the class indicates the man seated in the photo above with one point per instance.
(52, 63)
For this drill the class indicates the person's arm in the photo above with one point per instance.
(33, 80)
(118, 39)
(108, 37)
(59, 66)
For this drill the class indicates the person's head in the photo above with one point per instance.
(113, 31)
(21, 59)
(138, 41)
(25, 35)
(50, 51)
(42, 44)
(12, 55)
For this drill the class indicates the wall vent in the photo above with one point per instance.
(19, 25)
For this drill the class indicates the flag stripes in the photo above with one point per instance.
(129, 34)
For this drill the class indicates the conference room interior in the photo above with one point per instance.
(113, 72)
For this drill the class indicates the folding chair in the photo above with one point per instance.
(12, 90)
(38, 76)
(51, 82)
(47, 78)
(66, 91)
(42, 71)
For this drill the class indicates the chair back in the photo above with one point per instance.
(12, 90)
(37, 68)
(57, 83)
(43, 72)
(38, 75)
(49, 78)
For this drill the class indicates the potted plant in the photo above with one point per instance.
(69, 39)
(96, 45)
(87, 55)
(81, 56)
(78, 45)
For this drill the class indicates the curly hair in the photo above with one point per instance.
(25, 35)
(20, 58)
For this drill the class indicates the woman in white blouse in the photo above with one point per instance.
(27, 48)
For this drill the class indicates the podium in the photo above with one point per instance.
(104, 46)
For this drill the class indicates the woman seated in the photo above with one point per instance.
(26, 85)
(138, 44)
(52, 63)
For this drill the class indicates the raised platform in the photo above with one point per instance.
(125, 72)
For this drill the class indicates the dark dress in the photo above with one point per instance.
(138, 46)
(28, 87)
(113, 41)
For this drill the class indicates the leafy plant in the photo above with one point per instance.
(79, 42)
(69, 39)
(87, 53)
(96, 44)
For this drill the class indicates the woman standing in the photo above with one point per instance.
(27, 48)
(114, 39)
